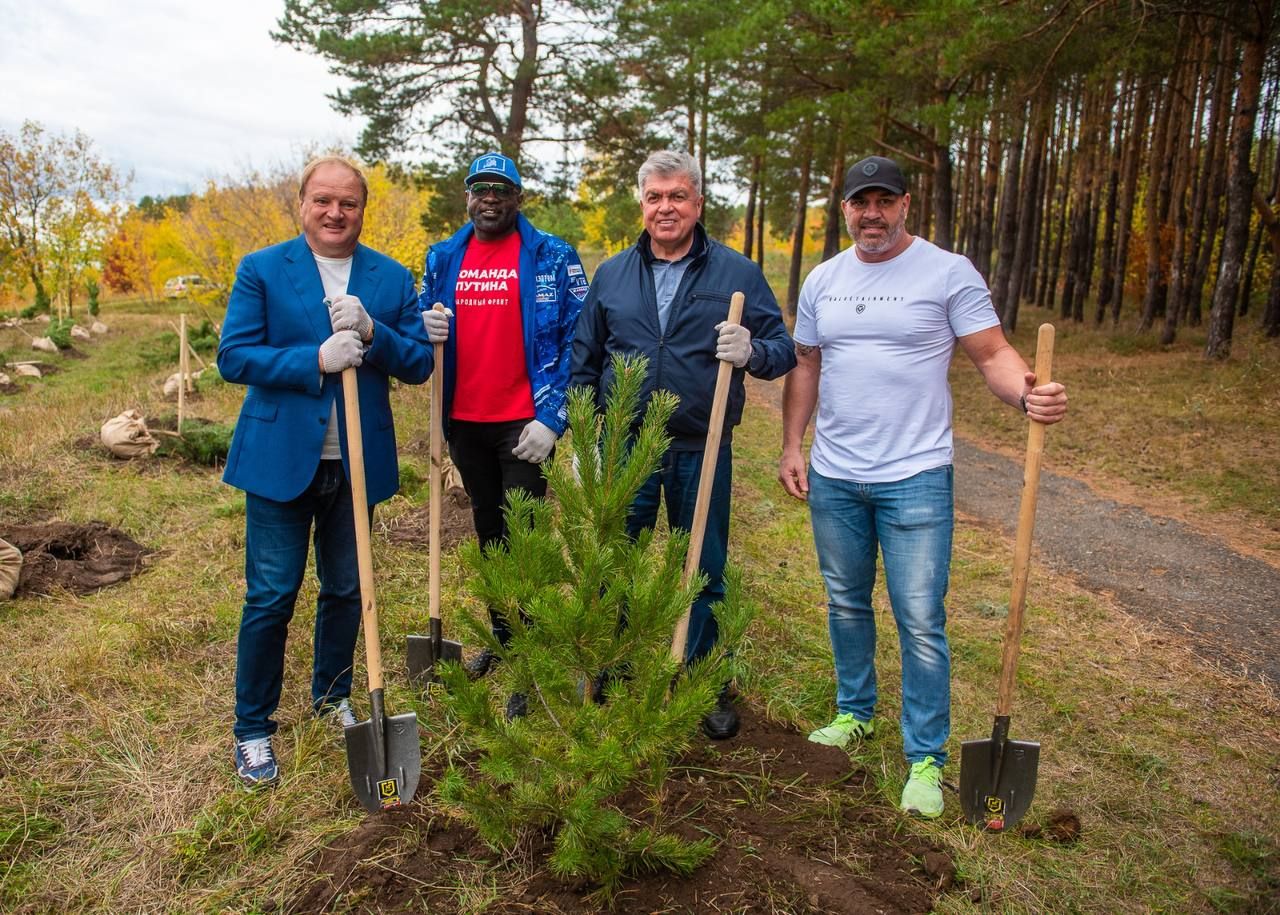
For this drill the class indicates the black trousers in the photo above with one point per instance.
(482, 454)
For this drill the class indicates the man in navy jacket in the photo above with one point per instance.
(300, 312)
(667, 298)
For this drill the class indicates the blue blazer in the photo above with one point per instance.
(276, 321)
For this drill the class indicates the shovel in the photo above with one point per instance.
(384, 754)
(423, 652)
(715, 430)
(998, 776)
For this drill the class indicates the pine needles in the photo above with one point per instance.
(592, 613)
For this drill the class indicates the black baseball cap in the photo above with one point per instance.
(874, 171)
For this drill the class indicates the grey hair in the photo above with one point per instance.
(670, 162)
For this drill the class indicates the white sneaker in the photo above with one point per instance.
(256, 763)
(340, 713)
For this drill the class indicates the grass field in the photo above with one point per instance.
(115, 708)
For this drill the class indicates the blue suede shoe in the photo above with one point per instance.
(256, 763)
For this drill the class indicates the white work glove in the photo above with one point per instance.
(437, 324)
(346, 312)
(536, 442)
(734, 344)
(341, 351)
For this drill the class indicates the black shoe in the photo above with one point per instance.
(517, 706)
(722, 723)
(481, 664)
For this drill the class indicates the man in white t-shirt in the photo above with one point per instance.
(874, 334)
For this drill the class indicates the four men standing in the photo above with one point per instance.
(875, 332)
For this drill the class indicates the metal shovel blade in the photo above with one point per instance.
(996, 792)
(385, 761)
(421, 656)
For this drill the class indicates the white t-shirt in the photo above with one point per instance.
(887, 332)
(335, 273)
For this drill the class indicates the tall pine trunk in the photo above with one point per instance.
(1009, 205)
(802, 213)
(1256, 27)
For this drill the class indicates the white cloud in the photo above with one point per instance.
(176, 92)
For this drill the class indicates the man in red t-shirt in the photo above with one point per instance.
(512, 295)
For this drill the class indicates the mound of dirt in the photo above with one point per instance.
(800, 830)
(413, 527)
(80, 558)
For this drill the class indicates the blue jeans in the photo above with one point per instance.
(911, 521)
(275, 558)
(678, 479)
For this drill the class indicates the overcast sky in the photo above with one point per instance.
(175, 91)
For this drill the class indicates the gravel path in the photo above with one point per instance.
(1159, 569)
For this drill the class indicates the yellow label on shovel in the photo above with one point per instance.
(388, 793)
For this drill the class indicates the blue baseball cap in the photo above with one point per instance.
(493, 165)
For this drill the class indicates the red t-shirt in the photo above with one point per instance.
(491, 382)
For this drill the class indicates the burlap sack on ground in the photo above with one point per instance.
(171, 383)
(10, 566)
(127, 436)
(44, 344)
(80, 333)
(449, 476)
(30, 371)
(4, 379)
(98, 327)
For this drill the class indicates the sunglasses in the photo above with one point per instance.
(482, 188)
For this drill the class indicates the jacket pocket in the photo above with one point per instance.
(260, 409)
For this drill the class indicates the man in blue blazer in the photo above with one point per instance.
(300, 313)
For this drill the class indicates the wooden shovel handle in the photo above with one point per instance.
(435, 487)
(1026, 526)
(360, 509)
(715, 431)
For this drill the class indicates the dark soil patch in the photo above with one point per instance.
(80, 558)
(10, 388)
(800, 830)
(414, 527)
(73, 353)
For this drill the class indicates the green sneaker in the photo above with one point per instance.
(844, 729)
(922, 794)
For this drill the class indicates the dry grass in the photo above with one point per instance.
(115, 708)
(1160, 427)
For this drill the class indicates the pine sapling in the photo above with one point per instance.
(592, 614)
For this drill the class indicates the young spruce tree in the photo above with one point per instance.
(592, 614)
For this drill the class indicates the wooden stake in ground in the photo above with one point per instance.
(182, 369)
(191, 350)
(715, 431)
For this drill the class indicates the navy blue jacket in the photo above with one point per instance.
(621, 316)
